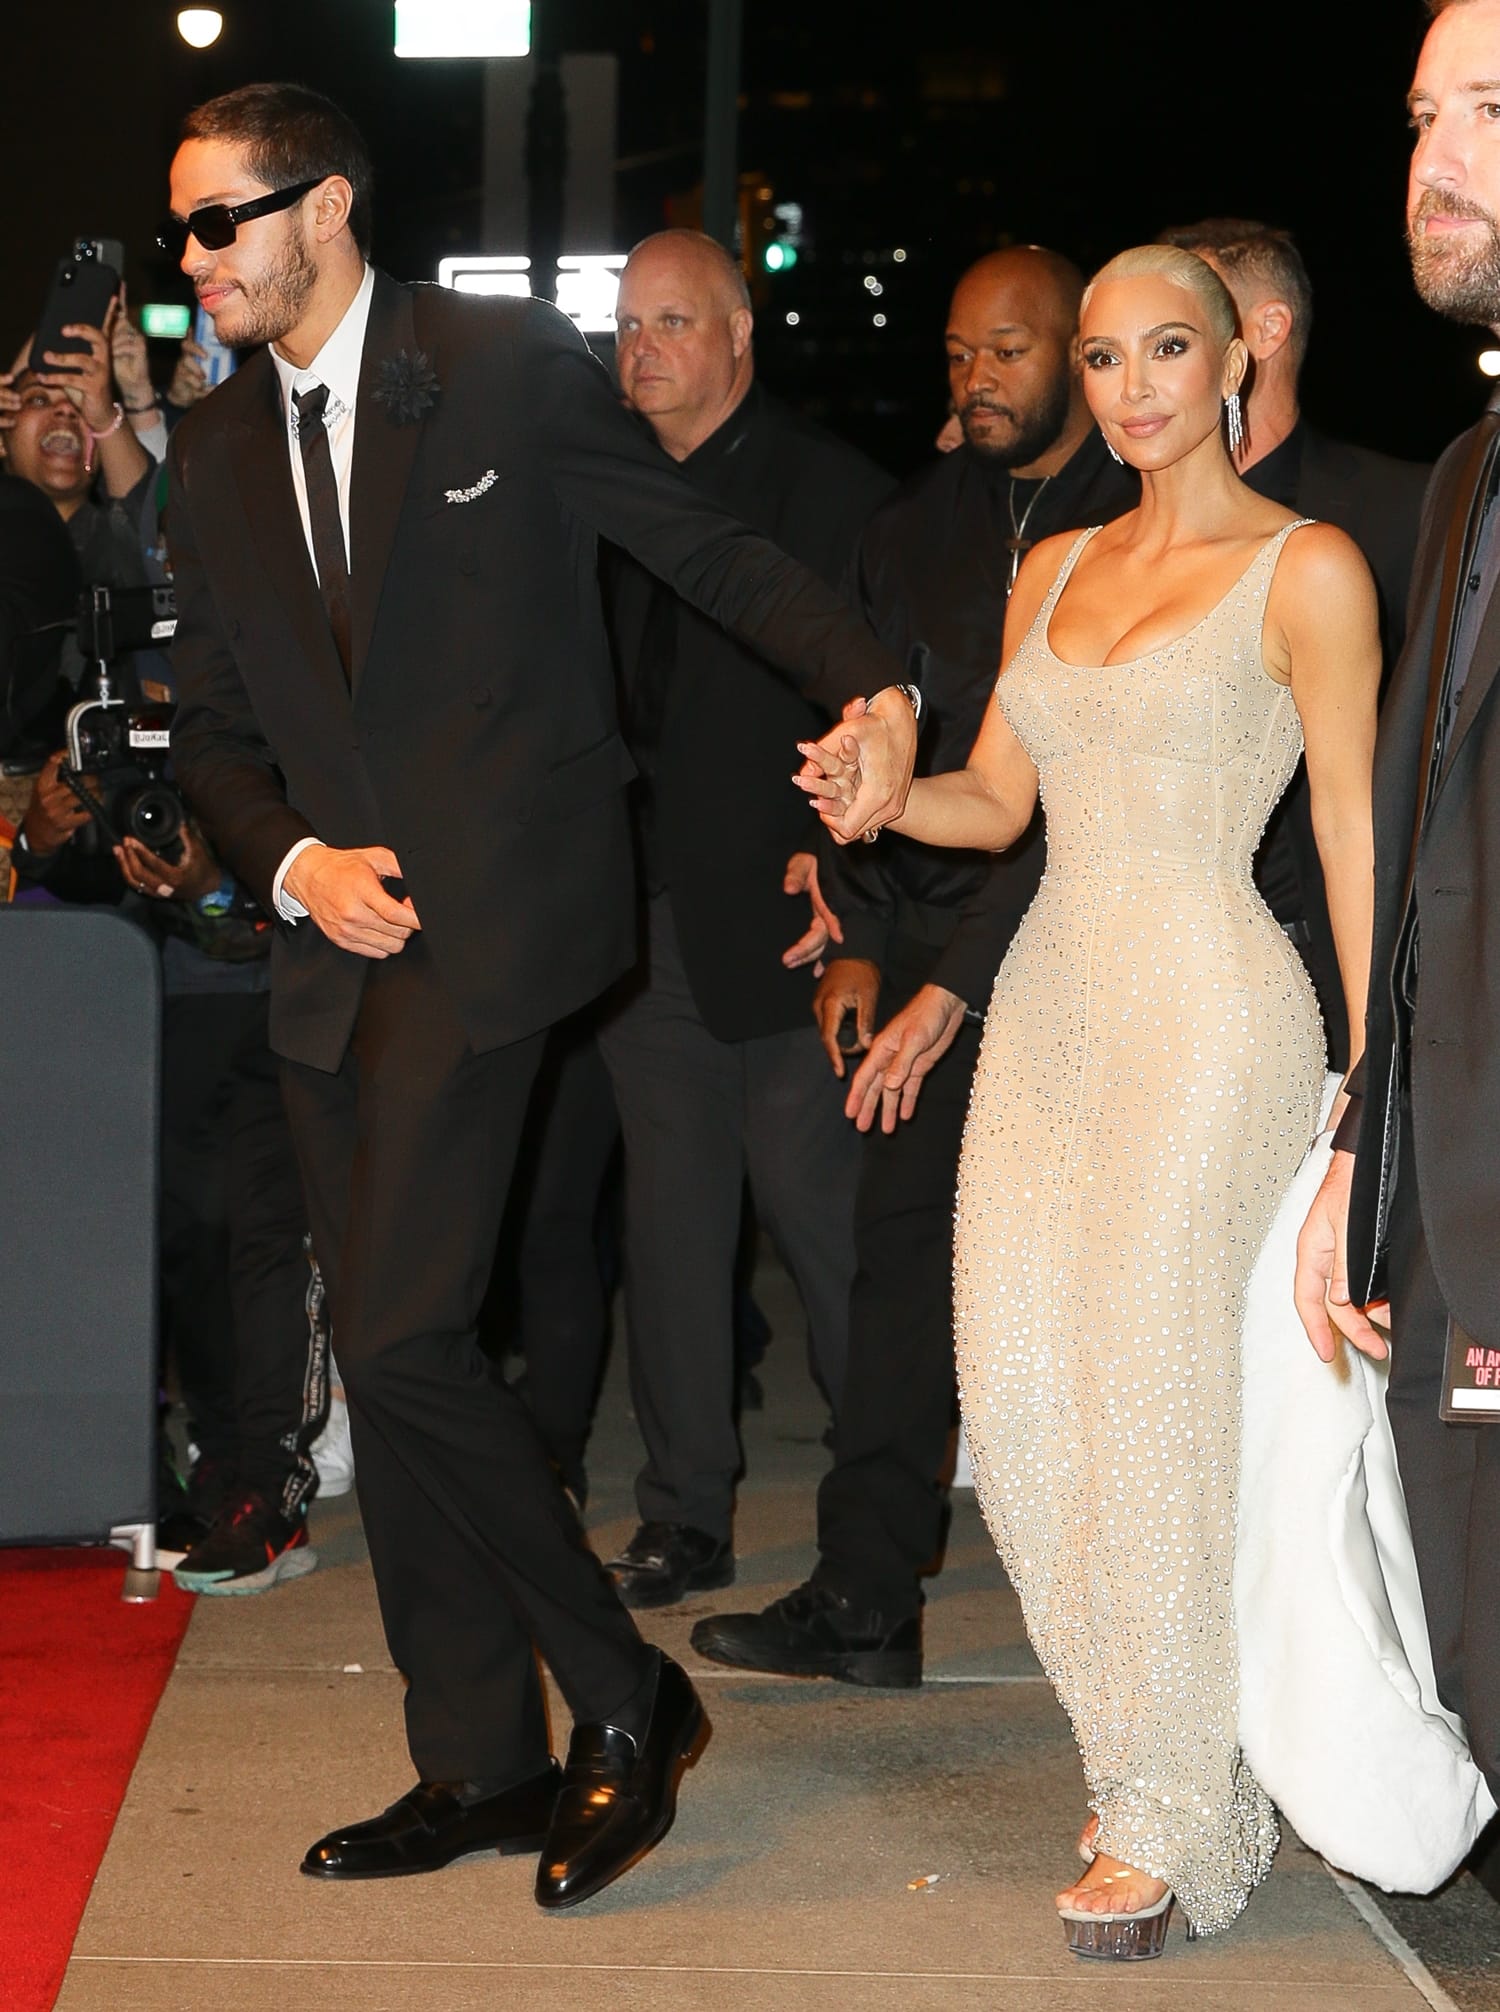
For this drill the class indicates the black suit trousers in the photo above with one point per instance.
(1450, 1475)
(882, 1505)
(407, 1153)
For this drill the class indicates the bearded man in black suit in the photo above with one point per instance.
(397, 721)
(1411, 1204)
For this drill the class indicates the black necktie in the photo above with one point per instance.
(323, 514)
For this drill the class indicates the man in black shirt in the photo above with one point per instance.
(1376, 499)
(924, 931)
(717, 1070)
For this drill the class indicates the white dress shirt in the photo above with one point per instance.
(336, 365)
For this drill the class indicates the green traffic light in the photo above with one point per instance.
(780, 256)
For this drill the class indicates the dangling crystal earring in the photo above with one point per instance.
(1236, 421)
(1115, 452)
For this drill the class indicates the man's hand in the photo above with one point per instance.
(849, 985)
(54, 813)
(195, 873)
(1321, 1288)
(825, 927)
(342, 893)
(903, 1054)
(858, 774)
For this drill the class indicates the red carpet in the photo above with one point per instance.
(80, 1674)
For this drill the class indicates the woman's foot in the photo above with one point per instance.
(1088, 1840)
(1116, 1912)
(1112, 1887)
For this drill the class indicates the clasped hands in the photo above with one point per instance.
(858, 774)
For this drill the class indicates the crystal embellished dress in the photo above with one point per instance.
(1148, 1085)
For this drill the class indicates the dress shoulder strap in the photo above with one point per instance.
(1262, 568)
(1044, 613)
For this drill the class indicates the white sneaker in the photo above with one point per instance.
(332, 1450)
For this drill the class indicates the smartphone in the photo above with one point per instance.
(166, 318)
(82, 288)
(218, 360)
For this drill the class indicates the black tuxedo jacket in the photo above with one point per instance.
(1448, 1047)
(477, 734)
(1378, 502)
(812, 494)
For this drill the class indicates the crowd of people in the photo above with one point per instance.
(494, 888)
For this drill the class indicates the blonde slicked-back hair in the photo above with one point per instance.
(1179, 268)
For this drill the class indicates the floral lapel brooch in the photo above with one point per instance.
(475, 489)
(406, 385)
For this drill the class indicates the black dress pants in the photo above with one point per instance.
(407, 1153)
(234, 1273)
(1450, 1475)
(881, 1506)
(701, 1116)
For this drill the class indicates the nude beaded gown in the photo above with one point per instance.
(1149, 1083)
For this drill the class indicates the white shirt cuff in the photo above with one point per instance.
(287, 906)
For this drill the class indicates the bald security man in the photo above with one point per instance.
(924, 933)
(716, 1064)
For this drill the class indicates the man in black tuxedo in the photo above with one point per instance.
(1375, 498)
(397, 720)
(1415, 1180)
(717, 1068)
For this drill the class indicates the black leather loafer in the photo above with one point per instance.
(812, 1632)
(619, 1795)
(428, 1827)
(665, 1561)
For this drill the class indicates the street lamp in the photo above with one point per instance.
(199, 27)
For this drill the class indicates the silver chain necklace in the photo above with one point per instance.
(1017, 544)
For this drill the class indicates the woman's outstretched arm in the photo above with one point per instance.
(984, 806)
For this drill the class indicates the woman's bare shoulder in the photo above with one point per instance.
(1320, 559)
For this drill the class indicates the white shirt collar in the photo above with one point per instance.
(336, 364)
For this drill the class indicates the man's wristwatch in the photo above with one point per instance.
(913, 697)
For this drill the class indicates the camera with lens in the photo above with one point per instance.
(117, 748)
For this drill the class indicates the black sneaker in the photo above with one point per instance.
(664, 1561)
(813, 1632)
(250, 1548)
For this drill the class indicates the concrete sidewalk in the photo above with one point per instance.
(787, 1881)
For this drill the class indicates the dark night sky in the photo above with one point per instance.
(944, 130)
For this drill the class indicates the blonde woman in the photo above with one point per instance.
(1151, 1075)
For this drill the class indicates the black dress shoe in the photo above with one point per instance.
(429, 1827)
(813, 1632)
(619, 1794)
(664, 1561)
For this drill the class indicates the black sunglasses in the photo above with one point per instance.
(215, 224)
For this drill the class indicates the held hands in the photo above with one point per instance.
(825, 927)
(858, 774)
(902, 1056)
(1321, 1288)
(849, 985)
(341, 891)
